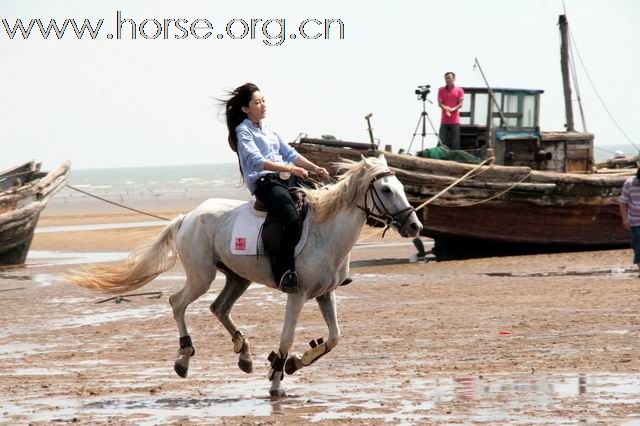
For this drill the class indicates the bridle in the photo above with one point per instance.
(383, 215)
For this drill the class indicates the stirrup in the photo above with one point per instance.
(289, 282)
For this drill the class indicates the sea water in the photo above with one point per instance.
(156, 179)
(155, 182)
(166, 181)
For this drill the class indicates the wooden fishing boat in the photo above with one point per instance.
(500, 209)
(542, 191)
(24, 193)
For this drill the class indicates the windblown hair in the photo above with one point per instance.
(142, 266)
(236, 99)
(354, 179)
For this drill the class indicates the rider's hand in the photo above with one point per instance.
(321, 172)
(299, 171)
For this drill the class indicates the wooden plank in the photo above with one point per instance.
(566, 136)
(345, 144)
(578, 154)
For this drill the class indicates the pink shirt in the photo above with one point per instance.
(450, 98)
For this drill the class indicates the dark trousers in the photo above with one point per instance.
(635, 244)
(450, 135)
(275, 194)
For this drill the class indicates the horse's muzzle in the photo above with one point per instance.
(411, 226)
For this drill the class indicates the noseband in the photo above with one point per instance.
(383, 214)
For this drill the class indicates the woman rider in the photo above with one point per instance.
(263, 155)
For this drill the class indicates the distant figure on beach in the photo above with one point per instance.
(269, 167)
(630, 211)
(450, 99)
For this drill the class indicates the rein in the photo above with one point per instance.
(383, 214)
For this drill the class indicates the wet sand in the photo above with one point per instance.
(532, 339)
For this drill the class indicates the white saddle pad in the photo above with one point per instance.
(246, 239)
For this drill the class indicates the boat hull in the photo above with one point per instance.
(15, 240)
(509, 228)
(518, 222)
(20, 208)
(502, 210)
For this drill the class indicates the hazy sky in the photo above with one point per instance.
(113, 103)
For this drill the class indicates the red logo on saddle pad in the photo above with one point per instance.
(241, 243)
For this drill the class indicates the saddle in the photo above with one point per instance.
(271, 231)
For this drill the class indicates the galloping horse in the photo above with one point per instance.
(201, 239)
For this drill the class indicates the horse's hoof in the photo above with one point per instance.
(277, 393)
(245, 365)
(180, 369)
(292, 365)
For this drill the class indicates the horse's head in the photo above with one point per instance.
(385, 199)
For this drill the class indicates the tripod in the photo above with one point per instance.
(424, 117)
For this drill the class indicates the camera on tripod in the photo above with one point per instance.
(423, 91)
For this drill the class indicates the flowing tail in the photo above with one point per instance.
(142, 266)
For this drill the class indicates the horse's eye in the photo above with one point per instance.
(386, 190)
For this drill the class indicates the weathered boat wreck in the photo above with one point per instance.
(541, 193)
(504, 209)
(24, 193)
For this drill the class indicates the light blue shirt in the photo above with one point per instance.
(257, 145)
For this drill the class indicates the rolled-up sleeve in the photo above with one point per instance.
(288, 154)
(249, 152)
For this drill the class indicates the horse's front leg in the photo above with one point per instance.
(295, 302)
(319, 348)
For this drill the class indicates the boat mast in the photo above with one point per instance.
(564, 65)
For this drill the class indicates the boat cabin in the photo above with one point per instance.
(508, 123)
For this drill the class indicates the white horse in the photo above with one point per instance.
(201, 239)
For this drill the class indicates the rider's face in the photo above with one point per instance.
(256, 110)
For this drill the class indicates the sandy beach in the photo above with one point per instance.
(541, 339)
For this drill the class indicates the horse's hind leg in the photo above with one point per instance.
(319, 348)
(196, 285)
(234, 287)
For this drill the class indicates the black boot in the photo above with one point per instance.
(289, 282)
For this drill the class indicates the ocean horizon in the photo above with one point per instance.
(128, 185)
(147, 182)
(161, 178)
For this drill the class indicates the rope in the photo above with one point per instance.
(574, 76)
(372, 234)
(598, 94)
(605, 150)
(116, 204)
(463, 177)
(456, 182)
(497, 195)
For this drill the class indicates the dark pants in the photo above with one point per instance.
(450, 135)
(635, 243)
(274, 192)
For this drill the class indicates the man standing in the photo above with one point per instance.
(630, 211)
(450, 98)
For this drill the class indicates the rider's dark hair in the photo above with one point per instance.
(453, 74)
(238, 98)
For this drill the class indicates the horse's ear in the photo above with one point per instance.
(365, 161)
(382, 160)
